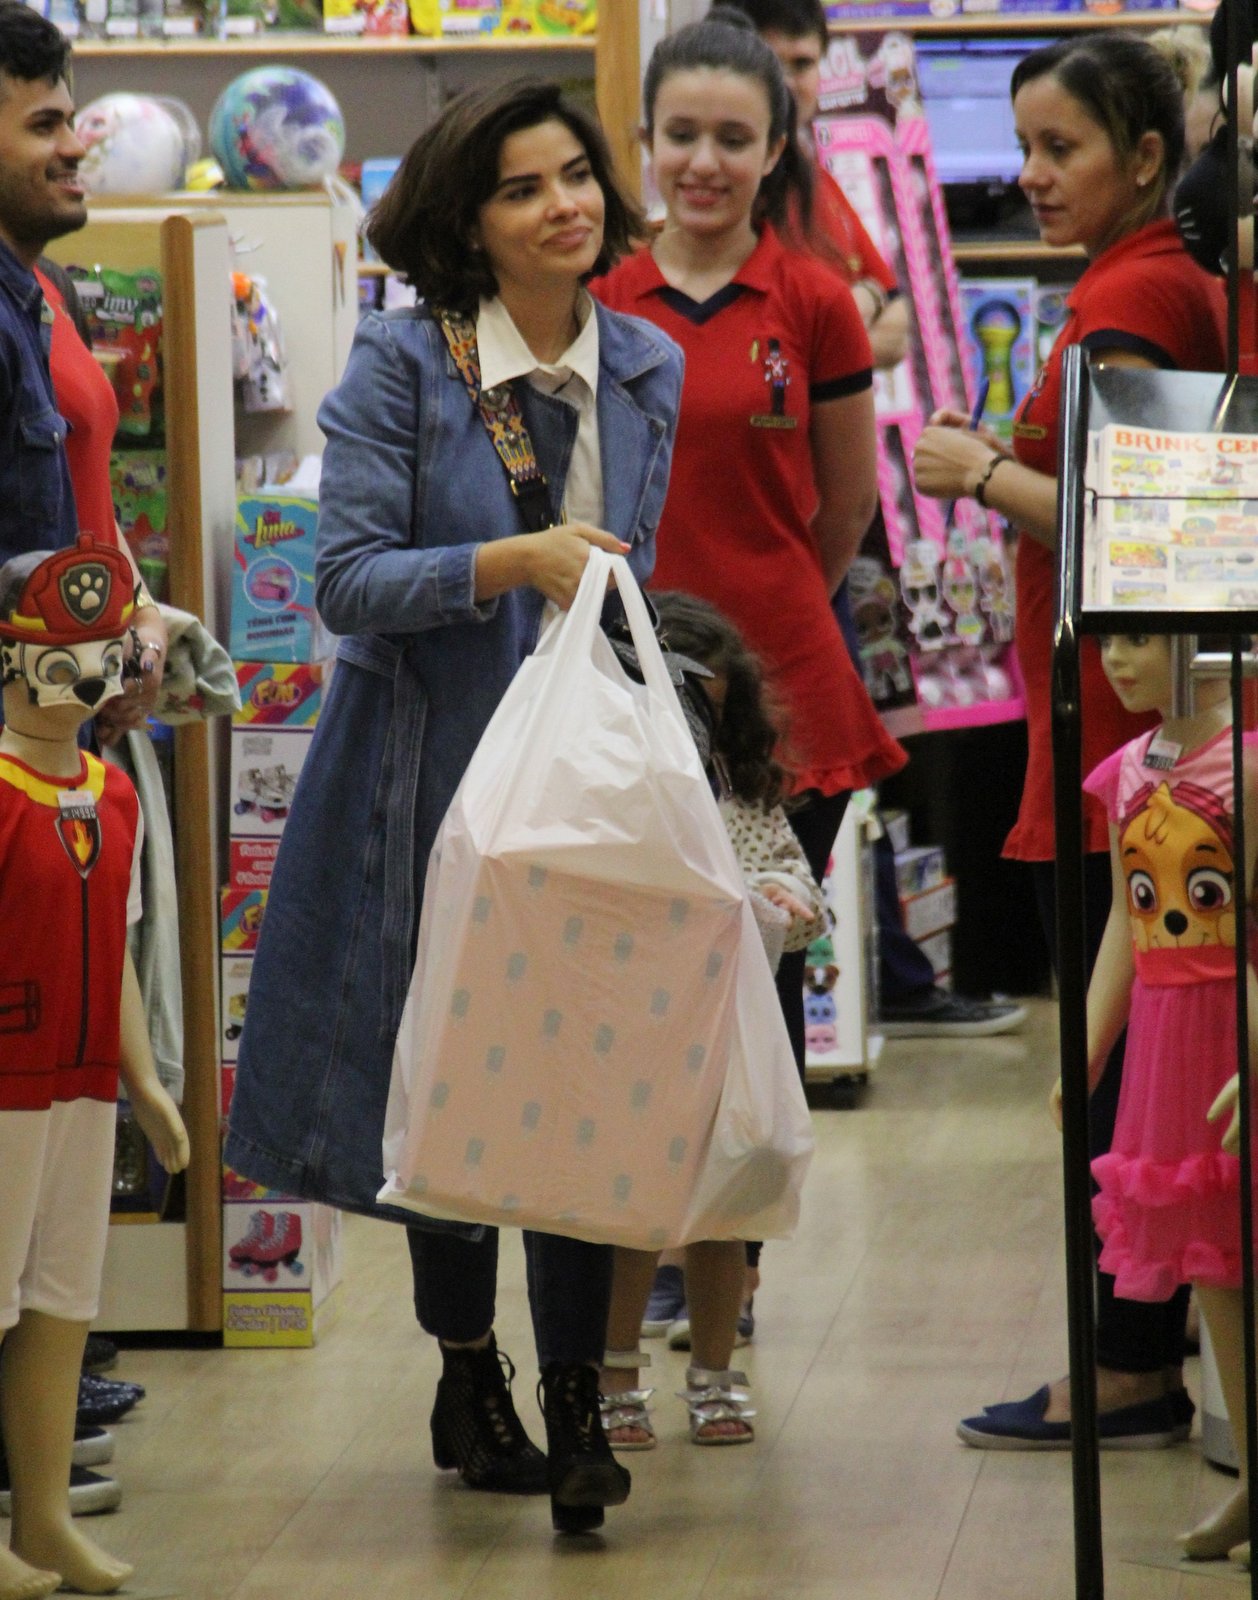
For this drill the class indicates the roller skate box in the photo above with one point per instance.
(234, 987)
(281, 1262)
(265, 763)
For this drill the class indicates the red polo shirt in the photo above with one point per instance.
(834, 218)
(1145, 295)
(737, 525)
(86, 399)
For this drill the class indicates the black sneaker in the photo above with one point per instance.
(90, 1493)
(100, 1353)
(938, 1014)
(104, 1400)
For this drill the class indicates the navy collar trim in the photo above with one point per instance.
(700, 311)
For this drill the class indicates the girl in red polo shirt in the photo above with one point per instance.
(1100, 122)
(773, 477)
(773, 480)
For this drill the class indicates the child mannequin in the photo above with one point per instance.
(1167, 1210)
(71, 1023)
(751, 782)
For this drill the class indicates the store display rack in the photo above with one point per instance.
(275, 42)
(1003, 23)
(1156, 400)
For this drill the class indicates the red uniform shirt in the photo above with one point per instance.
(86, 399)
(1145, 295)
(66, 886)
(736, 528)
(835, 220)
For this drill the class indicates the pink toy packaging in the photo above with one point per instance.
(931, 593)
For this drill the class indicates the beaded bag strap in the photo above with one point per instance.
(504, 422)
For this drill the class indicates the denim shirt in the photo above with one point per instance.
(36, 497)
(411, 488)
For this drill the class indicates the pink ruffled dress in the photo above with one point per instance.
(1168, 1210)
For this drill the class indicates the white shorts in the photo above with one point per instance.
(57, 1168)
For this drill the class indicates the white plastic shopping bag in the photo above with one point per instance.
(587, 963)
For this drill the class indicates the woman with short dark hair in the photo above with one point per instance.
(434, 572)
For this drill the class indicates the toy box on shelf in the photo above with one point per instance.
(281, 1261)
(838, 974)
(998, 329)
(931, 594)
(281, 1255)
(511, 18)
(942, 10)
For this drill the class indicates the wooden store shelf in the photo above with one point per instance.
(294, 44)
(996, 23)
(1017, 250)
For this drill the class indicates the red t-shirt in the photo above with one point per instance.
(835, 219)
(86, 399)
(66, 888)
(737, 525)
(1145, 295)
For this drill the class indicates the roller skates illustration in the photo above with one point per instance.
(273, 1240)
(266, 790)
(235, 1016)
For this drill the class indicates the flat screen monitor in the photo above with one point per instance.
(965, 90)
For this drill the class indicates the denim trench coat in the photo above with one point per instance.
(411, 485)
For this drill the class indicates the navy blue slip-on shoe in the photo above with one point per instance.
(1020, 1425)
(1182, 1412)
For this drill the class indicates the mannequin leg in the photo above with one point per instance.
(1228, 1526)
(39, 1385)
(18, 1581)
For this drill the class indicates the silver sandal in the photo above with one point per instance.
(718, 1397)
(627, 1408)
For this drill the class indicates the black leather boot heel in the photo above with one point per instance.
(583, 1474)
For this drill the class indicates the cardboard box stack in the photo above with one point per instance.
(281, 1255)
(928, 896)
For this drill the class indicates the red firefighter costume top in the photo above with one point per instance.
(68, 854)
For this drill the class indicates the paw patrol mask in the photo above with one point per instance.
(64, 617)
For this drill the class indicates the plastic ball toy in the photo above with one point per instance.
(134, 146)
(277, 128)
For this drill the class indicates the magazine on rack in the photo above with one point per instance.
(1173, 519)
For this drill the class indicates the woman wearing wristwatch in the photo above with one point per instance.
(1101, 127)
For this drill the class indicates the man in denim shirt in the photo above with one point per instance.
(41, 198)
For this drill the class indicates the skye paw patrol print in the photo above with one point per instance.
(1176, 854)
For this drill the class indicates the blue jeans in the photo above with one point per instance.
(570, 1290)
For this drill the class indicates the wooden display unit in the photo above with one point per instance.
(166, 1275)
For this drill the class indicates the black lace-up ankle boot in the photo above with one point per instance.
(583, 1474)
(475, 1427)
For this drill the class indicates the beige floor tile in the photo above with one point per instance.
(926, 1280)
